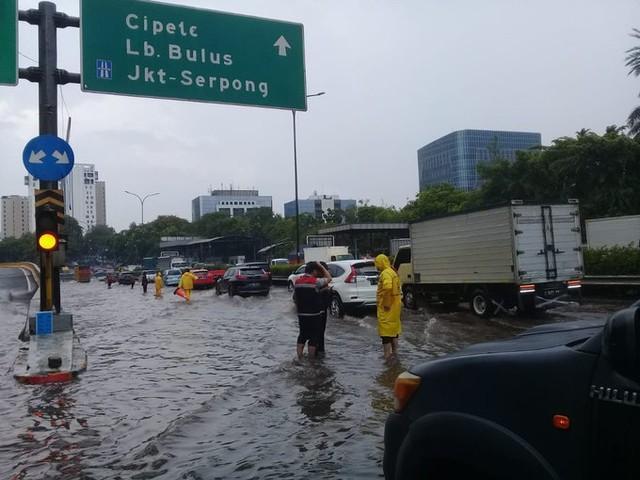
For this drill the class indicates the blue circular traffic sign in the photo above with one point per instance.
(48, 157)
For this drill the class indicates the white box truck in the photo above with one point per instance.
(524, 256)
(613, 231)
(326, 254)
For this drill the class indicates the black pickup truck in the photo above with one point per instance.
(559, 401)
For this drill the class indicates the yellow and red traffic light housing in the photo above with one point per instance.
(47, 237)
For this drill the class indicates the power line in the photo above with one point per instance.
(64, 103)
(28, 58)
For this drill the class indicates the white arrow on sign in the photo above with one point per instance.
(282, 45)
(36, 157)
(61, 157)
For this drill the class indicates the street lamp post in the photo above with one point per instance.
(142, 199)
(295, 172)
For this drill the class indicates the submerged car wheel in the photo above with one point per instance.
(218, 291)
(231, 291)
(480, 303)
(335, 307)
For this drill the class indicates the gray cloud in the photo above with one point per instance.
(398, 74)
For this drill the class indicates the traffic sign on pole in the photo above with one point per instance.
(8, 42)
(138, 47)
(48, 157)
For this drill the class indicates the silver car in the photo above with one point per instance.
(172, 277)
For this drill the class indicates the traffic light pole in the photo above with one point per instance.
(48, 76)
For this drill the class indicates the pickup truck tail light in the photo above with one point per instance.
(404, 388)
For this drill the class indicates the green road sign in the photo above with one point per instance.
(137, 47)
(8, 42)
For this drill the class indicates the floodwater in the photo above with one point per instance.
(210, 390)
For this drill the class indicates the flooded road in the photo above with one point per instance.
(209, 390)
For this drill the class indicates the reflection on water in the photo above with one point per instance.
(209, 390)
(320, 390)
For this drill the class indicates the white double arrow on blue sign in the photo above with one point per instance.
(61, 157)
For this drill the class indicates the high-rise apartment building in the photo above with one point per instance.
(316, 205)
(81, 196)
(230, 202)
(101, 203)
(455, 157)
(15, 212)
(32, 185)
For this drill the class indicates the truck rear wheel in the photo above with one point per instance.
(481, 304)
(409, 298)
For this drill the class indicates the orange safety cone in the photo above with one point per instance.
(180, 292)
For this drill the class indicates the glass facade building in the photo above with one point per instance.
(455, 157)
(316, 205)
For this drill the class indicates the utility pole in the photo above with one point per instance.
(48, 76)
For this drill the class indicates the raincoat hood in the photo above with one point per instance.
(382, 262)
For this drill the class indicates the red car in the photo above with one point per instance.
(206, 278)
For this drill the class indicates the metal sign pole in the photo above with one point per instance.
(48, 76)
(48, 106)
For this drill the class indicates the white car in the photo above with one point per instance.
(291, 281)
(354, 286)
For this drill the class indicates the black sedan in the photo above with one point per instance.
(244, 280)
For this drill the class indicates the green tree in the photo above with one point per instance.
(602, 171)
(375, 214)
(633, 62)
(333, 216)
(439, 199)
(75, 242)
(98, 241)
(21, 249)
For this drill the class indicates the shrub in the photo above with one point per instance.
(612, 261)
(283, 270)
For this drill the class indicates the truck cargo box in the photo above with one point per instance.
(613, 231)
(510, 244)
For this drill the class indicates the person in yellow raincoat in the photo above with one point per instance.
(186, 283)
(389, 304)
(159, 285)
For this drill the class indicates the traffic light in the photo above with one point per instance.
(47, 238)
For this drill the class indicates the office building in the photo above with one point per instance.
(15, 216)
(232, 203)
(316, 205)
(455, 157)
(81, 195)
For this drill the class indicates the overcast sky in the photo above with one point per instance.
(397, 75)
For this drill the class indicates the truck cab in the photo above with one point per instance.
(559, 401)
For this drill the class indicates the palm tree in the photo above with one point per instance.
(633, 62)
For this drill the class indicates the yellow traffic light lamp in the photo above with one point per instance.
(48, 242)
(47, 238)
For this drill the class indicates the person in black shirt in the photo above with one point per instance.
(310, 306)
